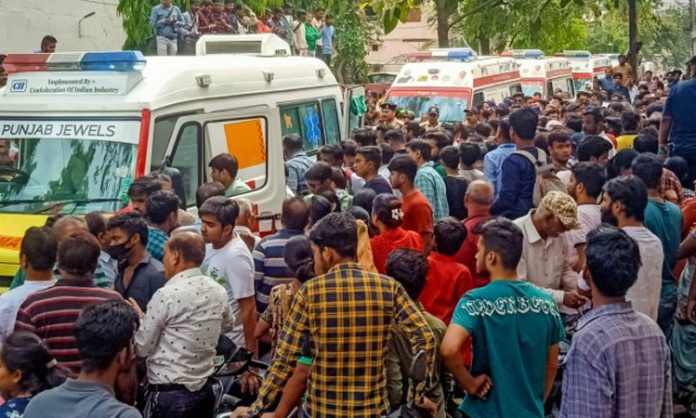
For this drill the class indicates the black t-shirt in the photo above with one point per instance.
(456, 189)
(379, 185)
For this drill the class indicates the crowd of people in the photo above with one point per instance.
(485, 245)
(176, 32)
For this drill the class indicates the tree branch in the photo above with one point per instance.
(478, 9)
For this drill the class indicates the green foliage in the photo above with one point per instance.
(352, 36)
(136, 21)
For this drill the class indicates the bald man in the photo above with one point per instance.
(478, 201)
(64, 227)
(185, 317)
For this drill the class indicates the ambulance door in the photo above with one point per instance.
(252, 137)
(354, 108)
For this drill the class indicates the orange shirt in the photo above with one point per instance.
(383, 245)
(689, 211)
(446, 283)
(418, 214)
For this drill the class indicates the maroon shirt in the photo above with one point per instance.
(467, 252)
(51, 314)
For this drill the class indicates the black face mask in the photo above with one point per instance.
(609, 218)
(120, 251)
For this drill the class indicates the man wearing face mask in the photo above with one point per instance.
(139, 274)
(623, 205)
(545, 260)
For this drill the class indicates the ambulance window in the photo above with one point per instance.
(305, 120)
(164, 128)
(332, 130)
(478, 99)
(515, 88)
(549, 89)
(187, 158)
(570, 87)
(247, 140)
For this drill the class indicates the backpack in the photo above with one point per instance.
(546, 179)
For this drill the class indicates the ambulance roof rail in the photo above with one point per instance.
(261, 44)
(121, 61)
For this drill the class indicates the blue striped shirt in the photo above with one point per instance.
(270, 266)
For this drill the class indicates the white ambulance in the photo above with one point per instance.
(587, 67)
(545, 75)
(454, 84)
(81, 126)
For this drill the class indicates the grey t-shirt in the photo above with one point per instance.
(77, 399)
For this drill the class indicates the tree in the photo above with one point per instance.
(352, 37)
(136, 18)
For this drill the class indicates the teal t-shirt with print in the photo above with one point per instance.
(512, 324)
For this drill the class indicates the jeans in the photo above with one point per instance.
(667, 308)
(180, 403)
(166, 46)
(326, 58)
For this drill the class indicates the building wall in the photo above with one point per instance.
(23, 23)
(415, 35)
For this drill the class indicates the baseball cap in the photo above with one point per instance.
(562, 206)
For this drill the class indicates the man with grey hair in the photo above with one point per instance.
(478, 200)
(246, 223)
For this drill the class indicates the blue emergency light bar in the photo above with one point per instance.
(113, 61)
(577, 54)
(461, 54)
(530, 54)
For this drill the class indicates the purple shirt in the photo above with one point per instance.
(618, 366)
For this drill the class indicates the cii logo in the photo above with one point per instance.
(18, 86)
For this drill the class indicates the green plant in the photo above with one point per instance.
(136, 21)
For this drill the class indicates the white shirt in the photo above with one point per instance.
(356, 183)
(232, 266)
(299, 33)
(589, 218)
(109, 265)
(545, 263)
(181, 328)
(645, 293)
(11, 301)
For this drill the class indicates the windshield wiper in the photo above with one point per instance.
(17, 202)
(76, 202)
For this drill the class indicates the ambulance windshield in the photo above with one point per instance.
(69, 167)
(451, 108)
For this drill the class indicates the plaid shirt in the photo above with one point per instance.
(156, 241)
(431, 184)
(670, 182)
(350, 316)
(618, 366)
